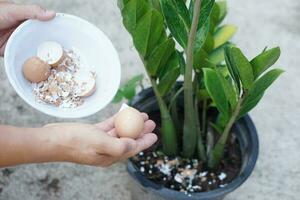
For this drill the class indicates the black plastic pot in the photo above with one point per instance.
(144, 189)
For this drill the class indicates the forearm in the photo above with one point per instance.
(29, 145)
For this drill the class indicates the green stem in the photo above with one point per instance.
(204, 116)
(189, 128)
(218, 150)
(200, 144)
(168, 131)
(231, 121)
(174, 98)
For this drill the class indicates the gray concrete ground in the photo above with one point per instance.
(277, 174)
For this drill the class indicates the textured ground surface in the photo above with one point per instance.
(277, 174)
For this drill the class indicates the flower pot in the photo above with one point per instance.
(144, 189)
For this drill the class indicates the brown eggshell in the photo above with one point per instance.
(129, 123)
(35, 70)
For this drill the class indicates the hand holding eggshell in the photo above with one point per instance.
(129, 123)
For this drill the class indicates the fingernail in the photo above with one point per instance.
(49, 13)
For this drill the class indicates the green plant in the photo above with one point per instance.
(216, 73)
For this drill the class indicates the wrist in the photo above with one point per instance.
(54, 144)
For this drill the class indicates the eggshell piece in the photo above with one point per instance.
(86, 83)
(129, 123)
(51, 52)
(35, 70)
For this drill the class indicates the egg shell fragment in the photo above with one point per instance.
(51, 52)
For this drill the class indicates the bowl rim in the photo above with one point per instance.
(62, 114)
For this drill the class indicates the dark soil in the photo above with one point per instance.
(188, 175)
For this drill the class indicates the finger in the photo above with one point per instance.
(108, 124)
(143, 143)
(23, 12)
(118, 147)
(4, 35)
(149, 126)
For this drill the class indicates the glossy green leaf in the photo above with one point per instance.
(223, 10)
(205, 12)
(216, 91)
(132, 10)
(177, 19)
(217, 55)
(136, 79)
(155, 4)
(160, 56)
(265, 60)
(262, 84)
(215, 14)
(201, 36)
(231, 67)
(129, 91)
(228, 87)
(243, 67)
(200, 58)
(224, 34)
(209, 43)
(166, 83)
(148, 32)
(249, 105)
(173, 62)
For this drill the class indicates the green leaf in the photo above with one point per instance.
(166, 83)
(215, 14)
(201, 36)
(118, 97)
(155, 4)
(209, 43)
(136, 79)
(228, 87)
(160, 56)
(243, 66)
(217, 55)
(265, 60)
(200, 59)
(231, 67)
(129, 91)
(223, 10)
(262, 84)
(249, 105)
(132, 10)
(205, 12)
(224, 34)
(173, 62)
(215, 89)
(177, 19)
(148, 32)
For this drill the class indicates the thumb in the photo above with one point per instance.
(23, 12)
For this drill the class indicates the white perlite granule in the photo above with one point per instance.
(61, 88)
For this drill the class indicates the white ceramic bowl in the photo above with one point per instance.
(72, 32)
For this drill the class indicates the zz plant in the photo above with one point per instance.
(185, 38)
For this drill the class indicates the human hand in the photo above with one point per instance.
(11, 15)
(98, 144)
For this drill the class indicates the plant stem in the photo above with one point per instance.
(174, 98)
(204, 116)
(168, 131)
(200, 144)
(231, 121)
(218, 150)
(189, 128)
